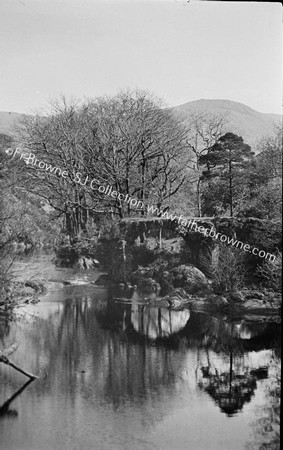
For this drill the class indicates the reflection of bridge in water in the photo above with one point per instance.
(155, 323)
(126, 352)
(224, 368)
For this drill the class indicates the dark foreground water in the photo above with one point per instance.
(124, 376)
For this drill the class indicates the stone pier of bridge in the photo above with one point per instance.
(202, 251)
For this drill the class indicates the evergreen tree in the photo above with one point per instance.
(226, 165)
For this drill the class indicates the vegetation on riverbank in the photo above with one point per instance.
(234, 285)
(15, 293)
(144, 151)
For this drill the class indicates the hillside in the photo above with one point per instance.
(8, 122)
(243, 120)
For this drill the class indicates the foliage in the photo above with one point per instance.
(24, 223)
(266, 203)
(142, 256)
(270, 273)
(229, 273)
(262, 196)
(225, 166)
(215, 198)
(267, 421)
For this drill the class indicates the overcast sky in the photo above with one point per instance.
(180, 51)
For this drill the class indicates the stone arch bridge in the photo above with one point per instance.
(202, 247)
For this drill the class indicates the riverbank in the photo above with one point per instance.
(187, 287)
(37, 275)
(17, 293)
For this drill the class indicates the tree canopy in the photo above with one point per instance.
(225, 166)
(129, 141)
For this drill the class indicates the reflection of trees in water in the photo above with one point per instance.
(80, 350)
(230, 390)
(4, 327)
(221, 335)
(267, 424)
(71, 343)
(234, 387)
(119, 353)
(5, 408)
(137, 370)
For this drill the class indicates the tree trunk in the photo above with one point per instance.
(199, 198)
(160, 237)
(6, 361)
(230, 185)
(143, 184)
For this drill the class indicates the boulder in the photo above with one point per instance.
(86, 263)
(190, 278)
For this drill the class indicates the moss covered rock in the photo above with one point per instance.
(190, 278)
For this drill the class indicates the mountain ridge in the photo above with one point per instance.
(243, 120)
(226, 103)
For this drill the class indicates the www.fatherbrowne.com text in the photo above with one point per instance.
(94, 184)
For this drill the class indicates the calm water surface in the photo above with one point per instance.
(121, 375)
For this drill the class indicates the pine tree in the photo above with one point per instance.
(225, 164)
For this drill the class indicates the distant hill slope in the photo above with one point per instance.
(243, 120)
(8, 122)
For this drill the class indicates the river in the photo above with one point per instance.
(121, 375)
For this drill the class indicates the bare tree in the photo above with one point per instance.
(270, 156)
(204, 131)
(129, 142)
(141, 147)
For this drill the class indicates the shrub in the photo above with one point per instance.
(229, 274)
(142, 256)
(270, 273)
